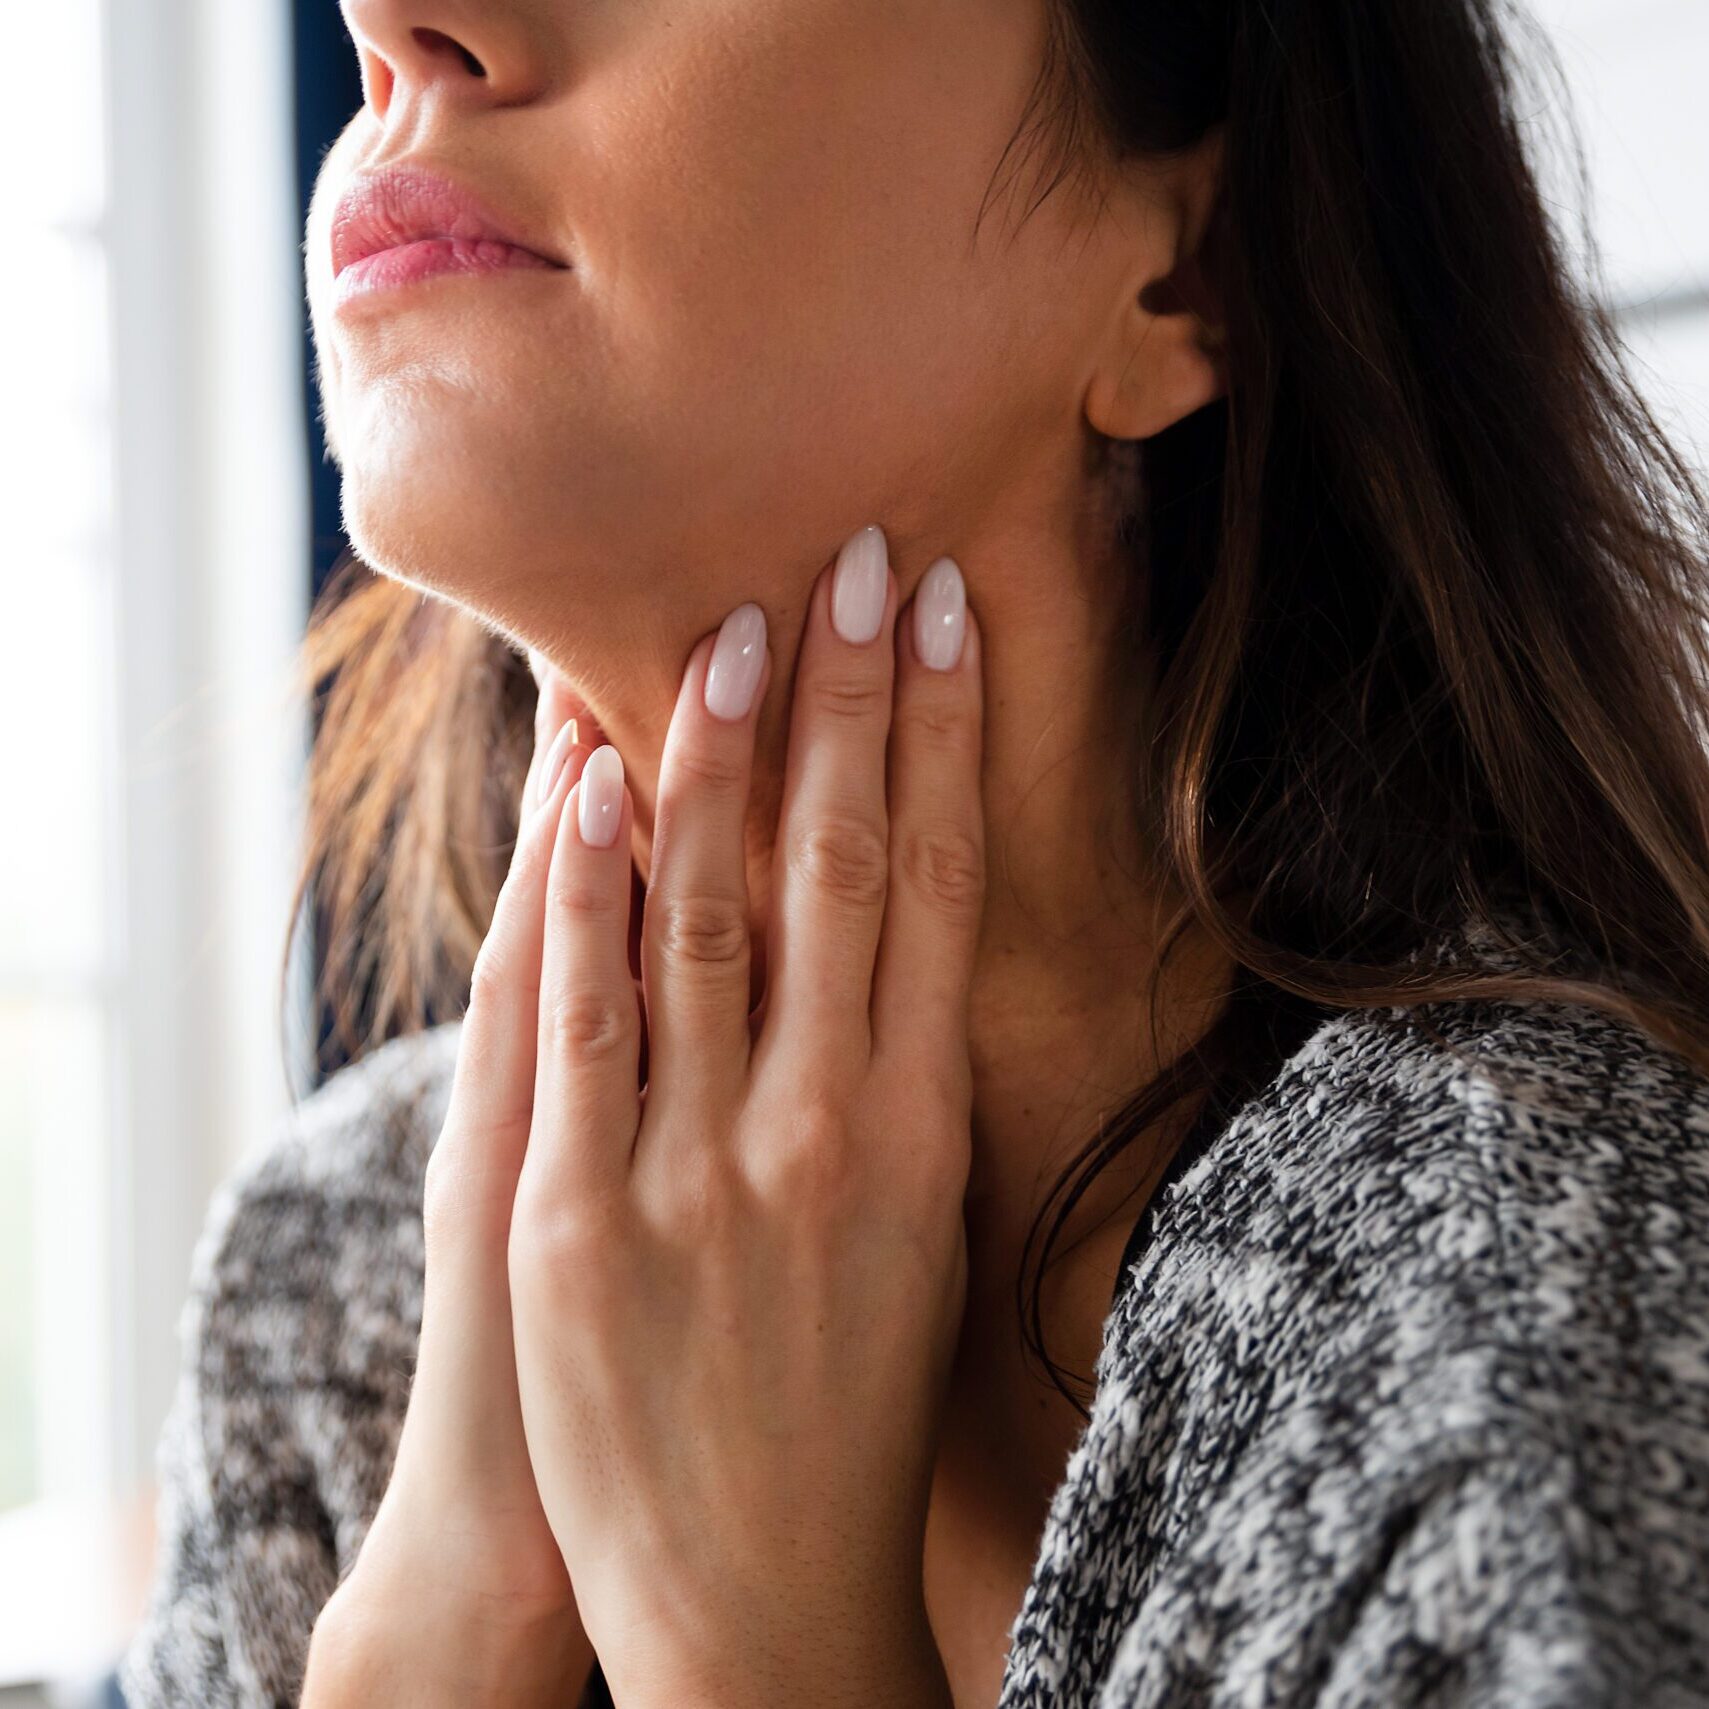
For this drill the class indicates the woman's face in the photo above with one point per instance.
(775, 323)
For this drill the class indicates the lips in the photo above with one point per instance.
(435, 224)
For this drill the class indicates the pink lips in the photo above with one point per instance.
(406, 223)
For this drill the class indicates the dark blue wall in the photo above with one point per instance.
(329, 90)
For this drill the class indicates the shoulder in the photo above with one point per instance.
(308, 1270)
(1542, 1130)
(305, 1291)
(300, 1329)
(344, 1158)
(368, 1127)
(1416, 1364)
(328, 1208)
(296, 1342)
(1504, 1197)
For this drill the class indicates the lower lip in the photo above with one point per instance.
(410, 263)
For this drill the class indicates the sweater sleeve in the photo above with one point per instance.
(297, 1342)
(245, 1557)
(1467, 1584)
(178, 1654)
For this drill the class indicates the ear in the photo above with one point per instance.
(1163, 357)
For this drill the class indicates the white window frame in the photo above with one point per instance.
(204, 764)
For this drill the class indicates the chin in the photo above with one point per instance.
(474, 514)
(516, 562)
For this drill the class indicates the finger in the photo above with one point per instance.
(696, 954)
(464, 1419)
(937, 830)
(554, 707)
(492, 1085)
(831, 871)
(586, 1079)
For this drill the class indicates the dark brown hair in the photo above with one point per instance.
(1424, 598)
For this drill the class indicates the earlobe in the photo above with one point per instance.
(1167, 354)
(1174, 364)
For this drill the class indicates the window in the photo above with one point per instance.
(1635, 70)
(154, 584)
(58, 976)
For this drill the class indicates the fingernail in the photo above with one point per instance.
(733, 671)
(859, 585)
(940, 615)
(599, 808)
(552, 767)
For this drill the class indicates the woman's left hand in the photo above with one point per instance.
(736, 1294)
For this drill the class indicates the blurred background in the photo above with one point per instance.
(169, 518)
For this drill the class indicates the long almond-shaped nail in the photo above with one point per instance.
(733, 671)
(940, 615)
(599, 808)
(552, 767)
(859, 585)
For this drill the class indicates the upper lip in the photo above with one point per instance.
(410, 203)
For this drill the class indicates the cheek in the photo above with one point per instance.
(778, 316)
(784, 273)
(468, 471)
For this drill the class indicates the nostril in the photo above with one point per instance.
(436, 42)
(376, 80)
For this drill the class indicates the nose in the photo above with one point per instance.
(479, 51)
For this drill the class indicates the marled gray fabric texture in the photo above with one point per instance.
(1406, 1401)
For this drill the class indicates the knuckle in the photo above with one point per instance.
(703, 1195)
(810, 1164)
(462, 1191)
(702, 928)
(582, 895)
(946, 865)
(846, 859)
(846, 696)
(940, 1156)
(939, 721)
(591, 1025)
(709, 770)
(442, 1199)
(488, 979)
(559, 1245)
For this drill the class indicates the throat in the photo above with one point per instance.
(1004, 1448)
(1008, 1431)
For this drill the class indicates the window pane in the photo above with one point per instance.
(53, 1116)
(58, 97)
(18, 1471)
(54, 664)
(54, 475)
(1673, 368)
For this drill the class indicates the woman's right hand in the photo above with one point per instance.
(458, 1593)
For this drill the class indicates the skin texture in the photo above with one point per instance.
(778, 325)
(736, 1297)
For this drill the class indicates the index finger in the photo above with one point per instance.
(493, 1082)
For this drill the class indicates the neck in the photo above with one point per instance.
(1060, 1028)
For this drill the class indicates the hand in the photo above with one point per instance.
(736, 1296)
(459, 1583)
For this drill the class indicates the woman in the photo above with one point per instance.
(1090, 573)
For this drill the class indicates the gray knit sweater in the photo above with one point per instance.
(1404, 1401)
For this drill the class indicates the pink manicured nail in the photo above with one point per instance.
(859, 585)
(733, 671)
(552, 767)
(940, 615)
(600, 804)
